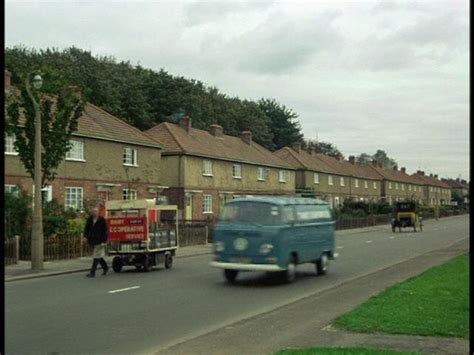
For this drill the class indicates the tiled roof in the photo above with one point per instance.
(97, 123)
(455, 184)
(176, 140)
(432, 181)
(397, 175)
(326, 164)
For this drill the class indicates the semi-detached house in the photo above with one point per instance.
(109, 159)
(204, 169)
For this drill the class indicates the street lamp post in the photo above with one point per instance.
(37, 228)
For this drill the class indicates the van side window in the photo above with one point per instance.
(312, 213)
(287, 214)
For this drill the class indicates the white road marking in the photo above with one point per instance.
(125, 289)
(368, 241)
(340, 248)
(392, 237)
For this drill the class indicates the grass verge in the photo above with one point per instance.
(342, 351)
(435, 303)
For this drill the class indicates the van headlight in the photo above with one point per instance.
(219, 246)
(266, 248)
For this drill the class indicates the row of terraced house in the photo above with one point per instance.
(199, 170)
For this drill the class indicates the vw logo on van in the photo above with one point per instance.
(240, 244)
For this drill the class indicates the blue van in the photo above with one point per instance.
(273, 234)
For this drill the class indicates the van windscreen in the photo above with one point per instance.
(251, 212)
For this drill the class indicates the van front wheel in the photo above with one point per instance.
(230, 275)
(289, 275)
(322, 265)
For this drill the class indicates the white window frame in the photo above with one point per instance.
(206, 204)
(409, 187)
(403, 187)
(13, 189)
(330, 180)
(341, 181)
(130, 154)
(10, 144)
(260, 174)
(237, 171)
(283, 176)
(75, 202)
(316, 178)
(76, 153)
(129, 194)
(207, 167)
(366, 184)
(396, 186)
(356, 182)
(375, 185)
(389, 185)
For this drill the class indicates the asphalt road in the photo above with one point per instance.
(136, 312)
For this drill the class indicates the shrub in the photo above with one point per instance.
(18, 213)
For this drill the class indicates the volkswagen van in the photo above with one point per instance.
(273, 234)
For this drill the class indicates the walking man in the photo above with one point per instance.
(95, 232)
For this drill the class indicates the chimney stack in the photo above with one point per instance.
(8, 80)
(352, 159)
(403, 170)
(185, 123)
(458, 179)
(381, 165)
(296, 147)
(431, 175)
(247, 137)
(395, 168)
(436, 176)
(216, 130)
(375, 163)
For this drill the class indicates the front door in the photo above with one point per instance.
(102, 196)
(189, 207)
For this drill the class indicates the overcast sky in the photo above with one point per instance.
(364, 75)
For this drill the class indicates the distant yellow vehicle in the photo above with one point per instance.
(405, 215)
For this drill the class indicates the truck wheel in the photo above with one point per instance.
(230, 275)
(147, 263)
(168, 261)
(393, 228)
(322, 265)
(117, 264)
(414, 228)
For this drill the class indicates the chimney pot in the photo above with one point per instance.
(185, 123)
(247, 137)
(296, 147)
(216, 130)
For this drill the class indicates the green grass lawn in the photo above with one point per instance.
(342, 351)
(435, 303)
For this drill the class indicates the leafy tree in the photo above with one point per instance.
(324, 148)
(58, 120)
(284, 125)
(383, 158)
(364, 158)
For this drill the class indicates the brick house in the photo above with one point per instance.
(397, 185)
(329, 178)
(459, 187)
(436, 191)
(204, 169)
(109, 159)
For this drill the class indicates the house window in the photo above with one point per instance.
(403, 187)
(390, 185)
(261, 174)
(316, 178)
(129, 194)
(207, 204)
(207, 167)
(10, 144)
(396, 186)
(409, 187)
(130, 157)
(76, 152)
(12, 189)
(237, 171)
(356, 182)
(375, 184)
(366, 184)
(330, 181)
(73, 198)
(283, 176)
(341, 179)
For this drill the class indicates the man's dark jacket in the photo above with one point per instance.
(96, 233)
